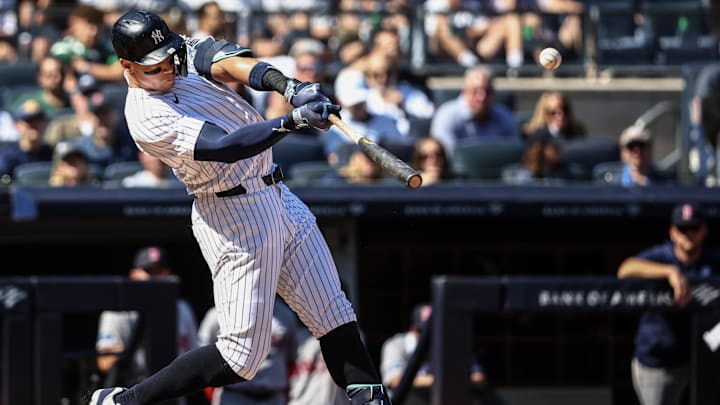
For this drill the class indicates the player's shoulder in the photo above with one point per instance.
(221, 47)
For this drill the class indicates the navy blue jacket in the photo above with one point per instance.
(663, 337)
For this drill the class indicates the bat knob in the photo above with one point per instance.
(414, 181)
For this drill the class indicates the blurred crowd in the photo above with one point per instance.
(62, 91)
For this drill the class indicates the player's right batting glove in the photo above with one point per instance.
(299, 94)
(314, 114)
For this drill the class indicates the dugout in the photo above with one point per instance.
(388, 243)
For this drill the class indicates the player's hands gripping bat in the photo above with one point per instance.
(387, 161)
(300, 93)
(314, 114)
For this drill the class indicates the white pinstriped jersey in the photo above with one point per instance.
(255, 244)
(167, 125)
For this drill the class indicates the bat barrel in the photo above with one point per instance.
(414, 181)
(391, 164)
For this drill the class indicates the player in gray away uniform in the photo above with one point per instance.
(270, 384)
(256, 236)
(310, 382)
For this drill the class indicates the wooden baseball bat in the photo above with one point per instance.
(387, 161)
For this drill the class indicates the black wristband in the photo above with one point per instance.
(273, 79)
(264, 76)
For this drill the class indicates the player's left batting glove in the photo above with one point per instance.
(299, 94)
(314, 114)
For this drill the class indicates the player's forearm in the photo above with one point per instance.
(234, 69)
(253, 72)
(216, 145)
(636, 267)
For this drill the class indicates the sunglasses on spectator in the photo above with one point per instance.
(310, 68)
(636, 144)
(436, 154)
(379, 74)
(688, 229)
(557, 111)
(480, 90)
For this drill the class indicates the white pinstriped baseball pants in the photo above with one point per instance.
(659, 386)
(258, 243)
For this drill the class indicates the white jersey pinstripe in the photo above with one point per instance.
(254, 244)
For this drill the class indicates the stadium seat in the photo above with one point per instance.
(10, 93)
(682, 32)
(115, 94)
(32, 174)
(296, 148)
(588, 152)
(403, 151)
(485, 159)
(619, 41)
(118, 170)
(607, 172)
(308, 173)
(12, 74)
(419, 127)
(514, 174)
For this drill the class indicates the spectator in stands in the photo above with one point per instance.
(543, 160)
(307, 55)
(360, 169)
(70, 167)
(466, 33)
(50, 93)
(8, 132)
(356, 59)
(398, 349)
(553, 22)
(429, 157)
(387, 95)
(553, 115)
(378, 128)
(84, 49)
(474, 113)
(660, 364)
(310, 381)
(81, 120)
(8, 53)
(99, 146)
(36, 30)
(349, 51)
(30, 123)
(120, 331)
(211, 21)
(386, 41)
(271, 383)
(636, 154)
(155, 174)
(707, 92)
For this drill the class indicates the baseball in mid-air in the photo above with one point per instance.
(550, 58)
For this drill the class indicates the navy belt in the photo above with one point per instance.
(273, 178)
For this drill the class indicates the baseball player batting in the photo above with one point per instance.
(255, 234)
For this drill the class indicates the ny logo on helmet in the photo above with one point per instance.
(157, 36)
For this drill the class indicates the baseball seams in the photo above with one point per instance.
(550, 58)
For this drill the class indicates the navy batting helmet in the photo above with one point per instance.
(143, 37)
